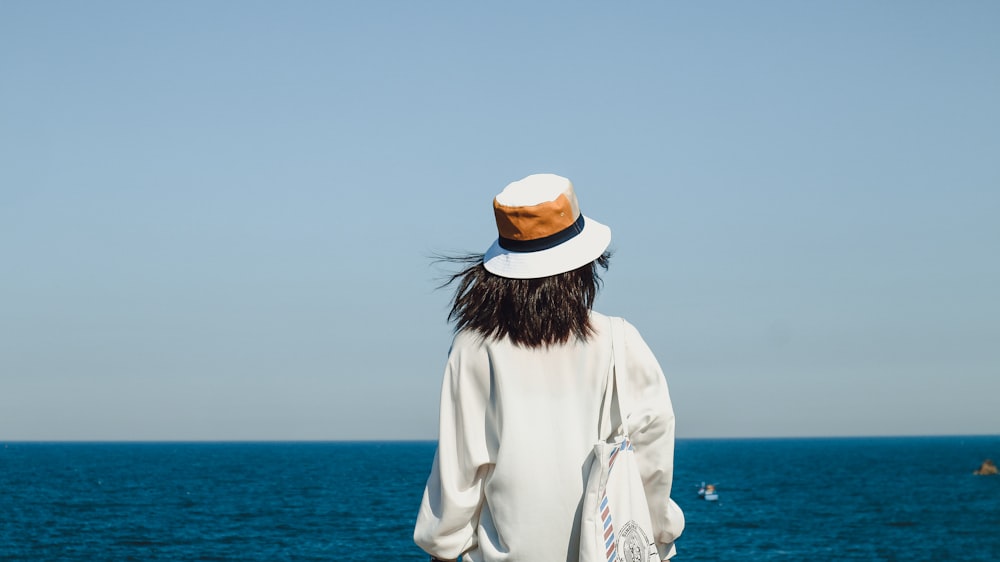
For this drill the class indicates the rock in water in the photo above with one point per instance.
(986, 469)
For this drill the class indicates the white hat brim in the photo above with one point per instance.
(576, 252)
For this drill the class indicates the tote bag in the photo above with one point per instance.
(615, 522)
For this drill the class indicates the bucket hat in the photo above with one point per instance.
(541, 231)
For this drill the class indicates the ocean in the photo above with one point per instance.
(780, 499)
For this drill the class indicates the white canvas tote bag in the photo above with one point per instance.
(615, 520)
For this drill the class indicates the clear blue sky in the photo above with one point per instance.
(216, 217)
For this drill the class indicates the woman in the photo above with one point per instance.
(524, 388)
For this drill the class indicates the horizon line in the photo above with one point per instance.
(208, 441)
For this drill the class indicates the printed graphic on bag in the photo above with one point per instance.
(632, 544)
(635, 545)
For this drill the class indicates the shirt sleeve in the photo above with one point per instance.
(449, 511)
(651, 428)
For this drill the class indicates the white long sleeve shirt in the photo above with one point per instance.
(517, 427)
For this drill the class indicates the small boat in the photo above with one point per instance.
(707, 492)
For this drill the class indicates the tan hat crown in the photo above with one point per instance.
(536, 208)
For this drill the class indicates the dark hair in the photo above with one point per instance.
(531, 312)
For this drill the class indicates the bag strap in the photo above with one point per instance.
(617, 375)
(620, 372)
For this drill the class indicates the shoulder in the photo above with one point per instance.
(467, 339)
(468, 368)
(602, 322)
(467, 344)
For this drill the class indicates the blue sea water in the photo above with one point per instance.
(780, 499)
